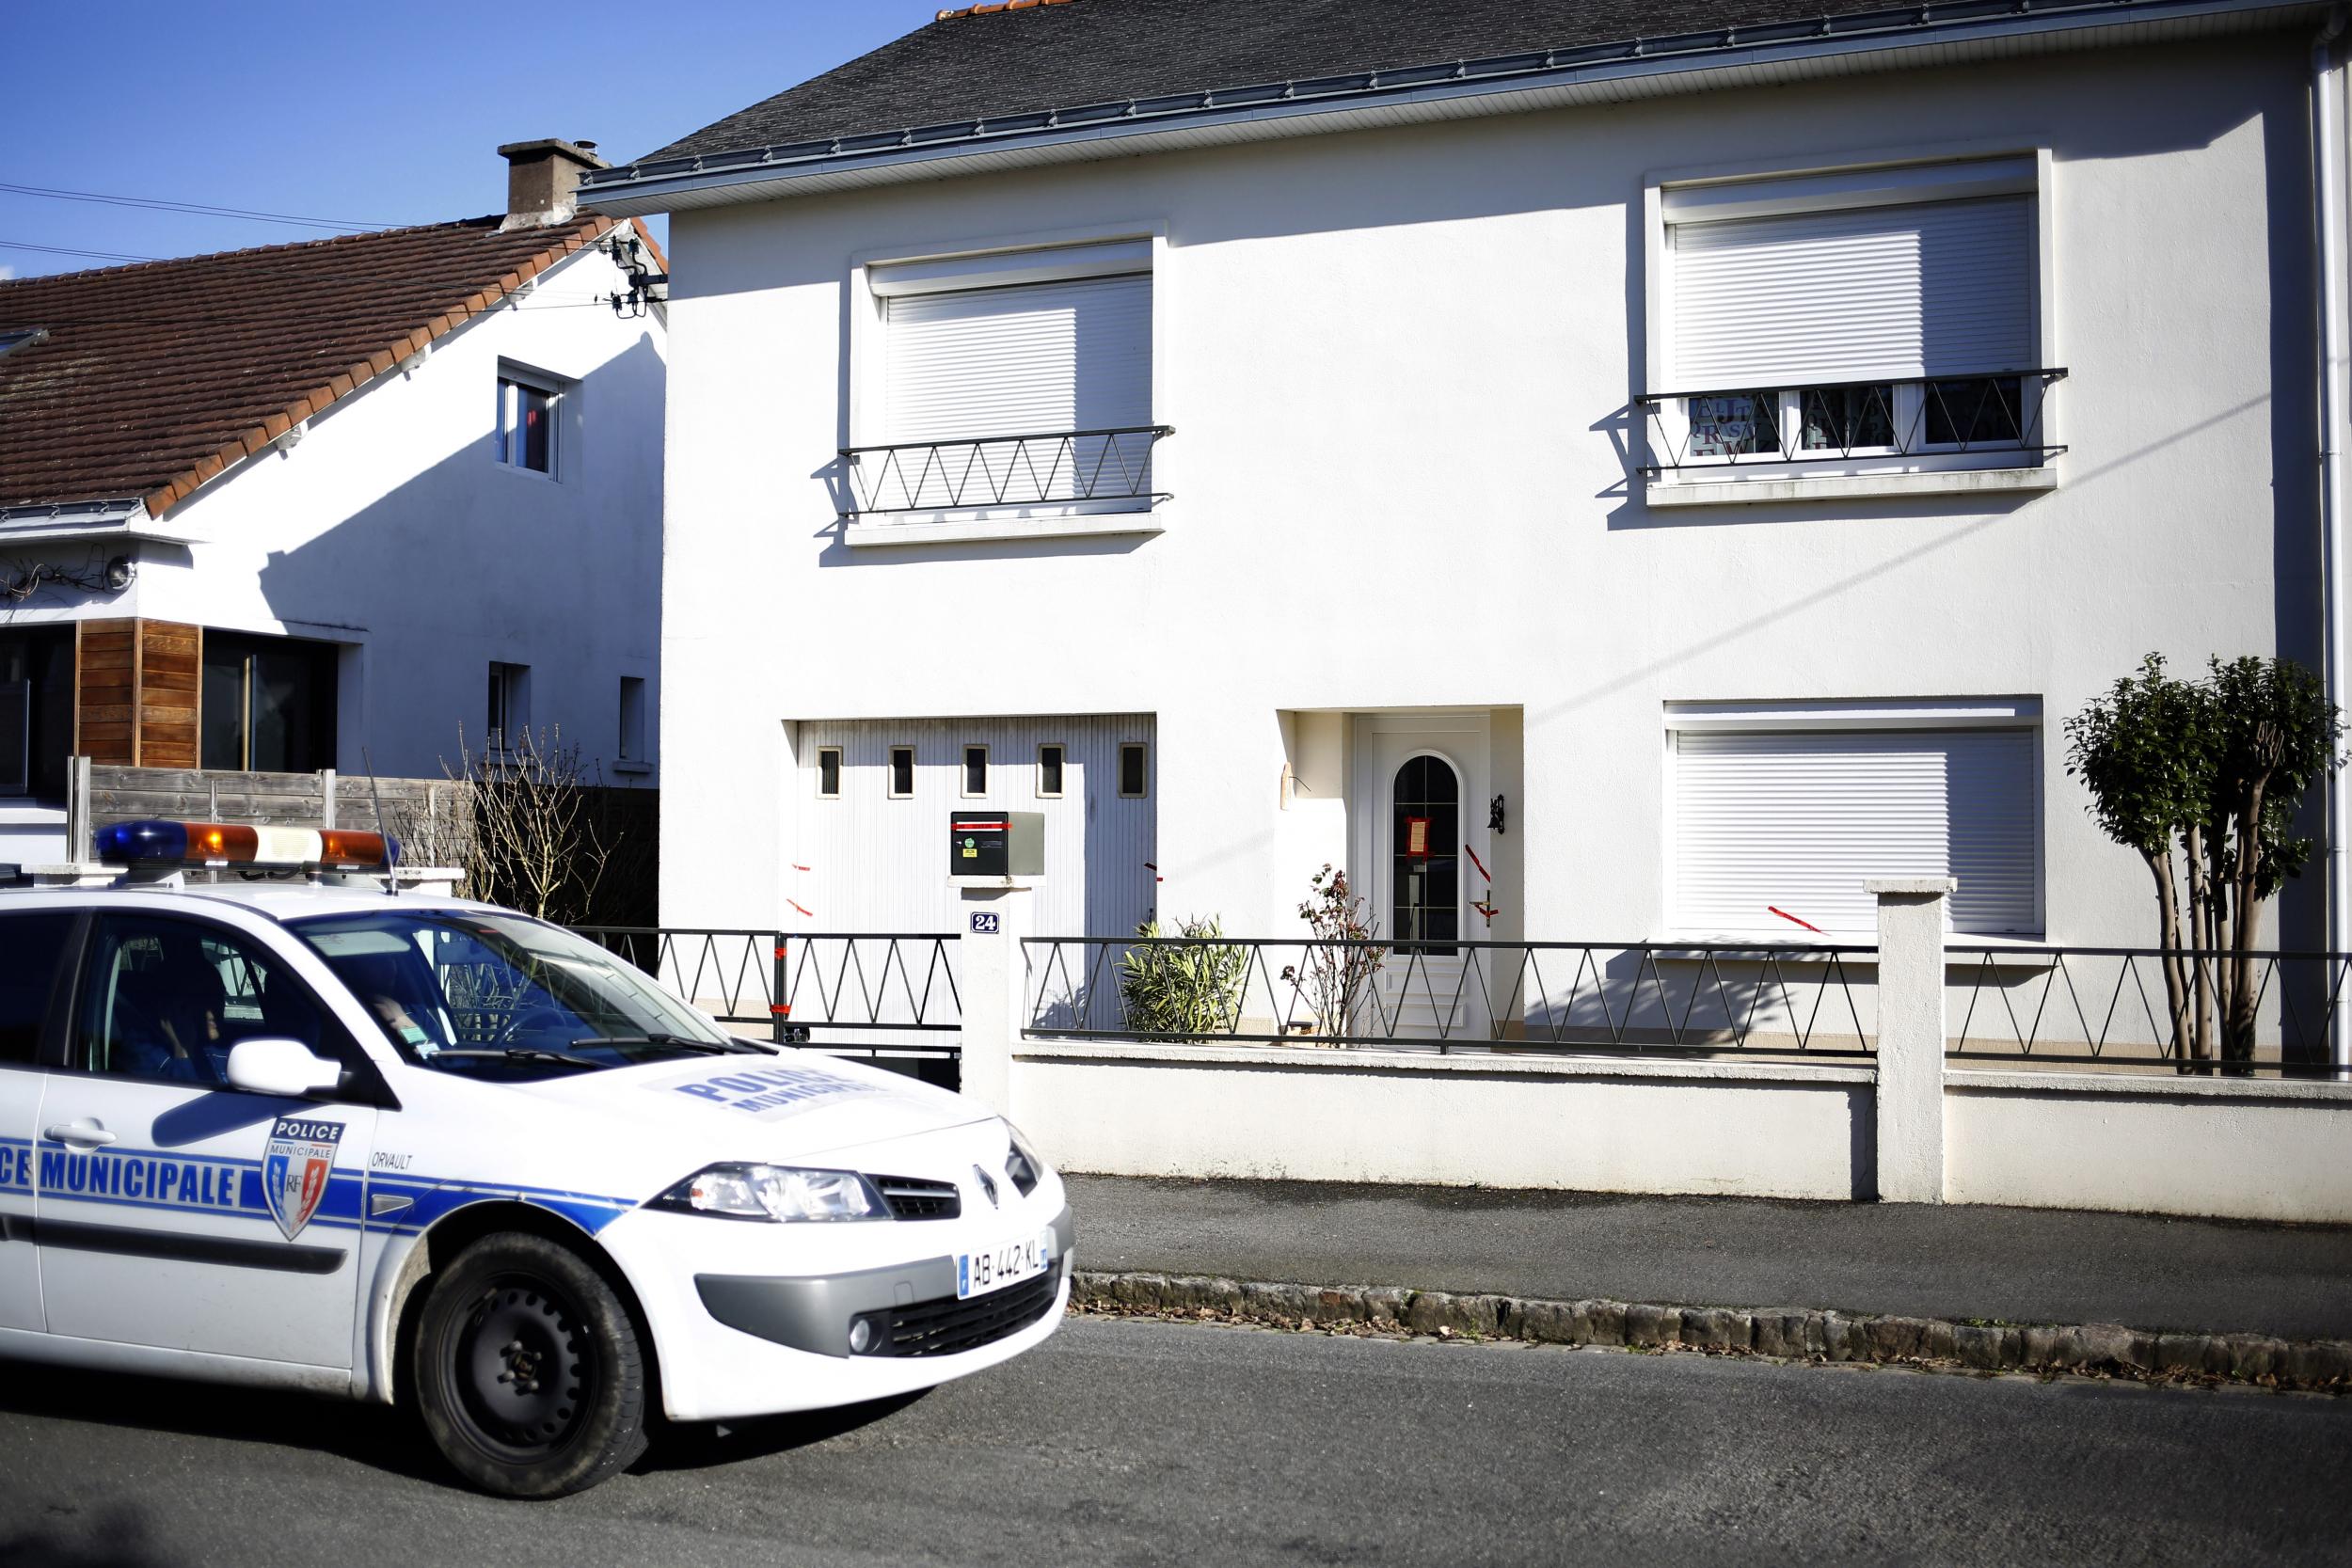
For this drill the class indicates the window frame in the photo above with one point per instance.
(633, 753)
(964, 776)
(1890, 175)
(1061, 765)
(966, 263)
(838, 761)
(890, 778)
(509, 691)
(558, 392)
(1845, 717)
(1142, 748)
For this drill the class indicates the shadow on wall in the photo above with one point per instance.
(465, 563)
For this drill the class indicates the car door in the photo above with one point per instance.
(32, 942)
(172, 1210)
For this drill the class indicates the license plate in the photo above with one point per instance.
(979, 1273)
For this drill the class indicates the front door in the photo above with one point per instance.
(31, 943)
(173, 1211)
(1420, 793)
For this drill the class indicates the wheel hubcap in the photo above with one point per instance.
(522, 1365)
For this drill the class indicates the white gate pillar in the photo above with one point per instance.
(1910, 1090)
(992, 984)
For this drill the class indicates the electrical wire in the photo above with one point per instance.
(68, 250)
(193, 208)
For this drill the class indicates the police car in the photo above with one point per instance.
(306, 1132)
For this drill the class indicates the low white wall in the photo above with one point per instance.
(2237, 1149)
(1752, 1129)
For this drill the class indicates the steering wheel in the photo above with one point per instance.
(541, 1016)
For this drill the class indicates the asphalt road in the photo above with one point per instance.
(1955, 1261)
(1138, 1442)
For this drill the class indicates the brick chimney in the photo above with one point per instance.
(541, 177)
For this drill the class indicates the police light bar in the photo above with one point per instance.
(240, 843)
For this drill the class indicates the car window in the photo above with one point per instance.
(168, 999)
(31, 943)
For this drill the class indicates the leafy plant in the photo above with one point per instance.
(2218, 768)
(1334, 975)
(1187, 987)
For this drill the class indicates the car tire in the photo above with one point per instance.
(529, 1375)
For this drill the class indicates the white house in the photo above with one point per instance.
(1587, 485)
(326, 505)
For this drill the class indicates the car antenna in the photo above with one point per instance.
(392, 845)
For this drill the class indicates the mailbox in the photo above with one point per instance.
(997, 844)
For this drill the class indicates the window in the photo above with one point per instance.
(828, 772)
(1781, 814)
(168, 999)
(1049, 759)
(902, 772)
(1881, 314)
(529, 407)
(267, 704)
(632, 742)
(510, 705)
(1004, 361)
(1134, 780)
(974, 771)
(36, 710)
(33, 943)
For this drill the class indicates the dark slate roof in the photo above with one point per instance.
(986, 61)
(149, 380)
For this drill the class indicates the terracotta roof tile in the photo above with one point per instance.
(152, 379)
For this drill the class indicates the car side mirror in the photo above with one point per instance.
(280, 1066)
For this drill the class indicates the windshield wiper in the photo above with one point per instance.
(518, 1053)
(673, 1042)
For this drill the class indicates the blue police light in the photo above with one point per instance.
(128, 843)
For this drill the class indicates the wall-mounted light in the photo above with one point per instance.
(119, 574)
(1494, 814)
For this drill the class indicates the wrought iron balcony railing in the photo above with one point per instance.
(1055, 468)
(1856, 421)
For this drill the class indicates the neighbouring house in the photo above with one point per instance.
(329, 504)
(1588, 485)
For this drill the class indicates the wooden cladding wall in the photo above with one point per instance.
(136, 686)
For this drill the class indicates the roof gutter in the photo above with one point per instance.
(1609, 73)
(54, 522)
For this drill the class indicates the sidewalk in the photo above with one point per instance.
(1953, 1262)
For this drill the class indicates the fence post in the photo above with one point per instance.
(991, 983)
(1910, 1090)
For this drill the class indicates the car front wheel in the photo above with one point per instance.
(528, 1377)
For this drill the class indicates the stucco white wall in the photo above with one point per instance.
(1300, 1114)
(1399, 366)
(390, 528)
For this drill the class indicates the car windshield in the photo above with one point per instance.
(501, 996)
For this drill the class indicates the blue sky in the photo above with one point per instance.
(380, 111)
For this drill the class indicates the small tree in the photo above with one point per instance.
(1335, 975)
(535, 845)
(1192, 987)
(2217, 766)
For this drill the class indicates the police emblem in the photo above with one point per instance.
(296, 1167)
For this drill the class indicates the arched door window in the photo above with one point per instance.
(1425, 856)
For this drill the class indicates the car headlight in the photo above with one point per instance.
(776, 1193)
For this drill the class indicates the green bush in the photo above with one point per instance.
(1190, 989)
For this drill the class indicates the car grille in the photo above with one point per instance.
(912, 1199)
(946, 1327)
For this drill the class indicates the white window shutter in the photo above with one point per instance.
(1022, 360)
(1797, 820)
(1893, 292)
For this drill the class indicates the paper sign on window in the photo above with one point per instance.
(1417, 837)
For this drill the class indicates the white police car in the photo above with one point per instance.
(413, 1147)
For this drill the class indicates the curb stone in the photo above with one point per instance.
(1782, 1333)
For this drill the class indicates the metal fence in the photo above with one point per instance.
(1639, 998)
(2113, 1007)
(876, 996)
(1052, 466)
(2000, 411)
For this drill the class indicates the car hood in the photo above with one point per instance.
(791, 1106)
